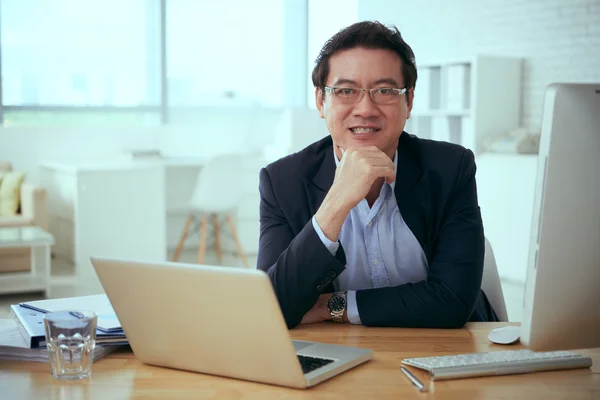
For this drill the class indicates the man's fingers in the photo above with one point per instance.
(384, 172)
(379, 161)
(343, 152)
(375, 156)
(368, 152)
(371, 157)
(367, 149)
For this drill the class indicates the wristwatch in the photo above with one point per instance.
(337, 306)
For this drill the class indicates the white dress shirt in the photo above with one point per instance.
(381, 251)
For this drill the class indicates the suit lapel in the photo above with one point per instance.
(319, 185)
(411, 190)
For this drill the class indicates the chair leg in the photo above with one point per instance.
(202, 242)
(186, 231)
(218, 251)
(236, 239)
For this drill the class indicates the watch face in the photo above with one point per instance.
(337, 303)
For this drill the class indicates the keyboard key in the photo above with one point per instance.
(311, 363)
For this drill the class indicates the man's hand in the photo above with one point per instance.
(358, 170)
(356, 173)
(320, 311)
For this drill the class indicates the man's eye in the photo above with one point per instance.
(385, 91)
(346, 91)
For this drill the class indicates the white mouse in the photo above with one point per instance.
(505, 335)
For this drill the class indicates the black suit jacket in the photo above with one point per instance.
(437, 197)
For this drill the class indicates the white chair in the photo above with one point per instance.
(217, 193)
(491, 284)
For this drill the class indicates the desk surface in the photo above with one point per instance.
(121, 376)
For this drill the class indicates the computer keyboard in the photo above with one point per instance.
(498, 363)
(311, 363)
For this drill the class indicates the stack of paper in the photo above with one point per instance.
(29, 317)
(99, 304)
(14, 347)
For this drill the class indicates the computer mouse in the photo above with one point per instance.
(505, 335)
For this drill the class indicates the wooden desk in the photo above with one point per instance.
(121, 376)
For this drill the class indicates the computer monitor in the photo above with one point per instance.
(561, 308)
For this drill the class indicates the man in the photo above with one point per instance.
(372, 225)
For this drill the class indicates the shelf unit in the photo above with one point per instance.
(466, 101)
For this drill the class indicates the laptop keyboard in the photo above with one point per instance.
(311, 363)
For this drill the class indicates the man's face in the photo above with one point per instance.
(365, 123)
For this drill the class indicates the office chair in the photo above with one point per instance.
(217, 194)
(491, 285)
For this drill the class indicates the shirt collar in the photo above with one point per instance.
(393, 184)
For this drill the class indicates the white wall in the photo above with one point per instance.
(506, 189)
(559, 39)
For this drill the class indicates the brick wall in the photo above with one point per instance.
(559, 39)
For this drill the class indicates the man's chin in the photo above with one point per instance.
(353, 142)
(366, 141)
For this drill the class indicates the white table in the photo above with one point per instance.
(38, 277)
(133, 210)
(109, 209)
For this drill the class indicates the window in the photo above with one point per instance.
(69, 53)
(101, 61)
(225, 52)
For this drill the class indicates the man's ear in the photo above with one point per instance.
(319, 102)
(410, 96)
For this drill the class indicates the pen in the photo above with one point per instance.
(77, 314)
(414, 380)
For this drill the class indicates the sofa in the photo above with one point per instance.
(32, 212)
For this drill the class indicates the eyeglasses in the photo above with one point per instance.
(348, 95)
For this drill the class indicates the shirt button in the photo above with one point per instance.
(370, 223)
(376, 261)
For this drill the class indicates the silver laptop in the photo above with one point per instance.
(215, 320)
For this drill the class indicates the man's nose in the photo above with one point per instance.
(365, 107)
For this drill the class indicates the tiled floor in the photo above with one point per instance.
(513, 291)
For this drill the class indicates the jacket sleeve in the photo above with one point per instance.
(299, 265)
(448, 296)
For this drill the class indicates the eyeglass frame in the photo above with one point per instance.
(399, 92)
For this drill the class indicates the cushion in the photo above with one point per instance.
(10, 193)
(2, 173)
(5, 166)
